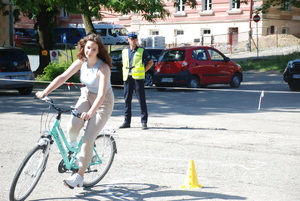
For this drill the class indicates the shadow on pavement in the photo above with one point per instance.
(142, 192)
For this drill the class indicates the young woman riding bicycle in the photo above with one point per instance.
(95, 103)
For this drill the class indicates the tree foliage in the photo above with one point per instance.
(45, 10)
(280, 4)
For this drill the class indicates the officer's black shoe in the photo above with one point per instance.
(144, 126)
(125, 125)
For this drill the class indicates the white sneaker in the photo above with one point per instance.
(74, 181)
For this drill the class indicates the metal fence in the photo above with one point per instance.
(241, 42)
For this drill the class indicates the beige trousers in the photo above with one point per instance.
(93, 126)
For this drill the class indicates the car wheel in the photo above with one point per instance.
(193, 82)
(25, 90)
(235, 81)
(294, 86)
(148, 80)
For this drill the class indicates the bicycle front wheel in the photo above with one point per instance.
(29, 173)
(105, 146)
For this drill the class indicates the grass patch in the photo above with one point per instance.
(272, 63)
(69, 55)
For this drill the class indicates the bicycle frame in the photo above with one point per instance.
(64, 147)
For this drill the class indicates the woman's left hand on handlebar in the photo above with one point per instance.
(85, 116)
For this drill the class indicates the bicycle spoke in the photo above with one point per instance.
(105, 148)
(28, 174)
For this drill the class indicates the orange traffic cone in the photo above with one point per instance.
(191, 180)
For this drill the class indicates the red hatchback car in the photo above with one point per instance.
(196, 66)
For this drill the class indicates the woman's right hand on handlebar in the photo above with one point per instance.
(40, 94)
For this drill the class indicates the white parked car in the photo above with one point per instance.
(111, 34)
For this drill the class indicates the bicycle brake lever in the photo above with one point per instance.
(47, 99)
(76, 113)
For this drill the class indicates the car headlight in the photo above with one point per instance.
(290, 65)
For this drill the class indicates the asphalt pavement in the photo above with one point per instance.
(242, 150)
(239, 152)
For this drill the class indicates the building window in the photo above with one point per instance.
(235, 4)
(154, 32)
(206, 5)
(206, 8)
(179, 32)
(271, 30)
(286, 5)
(64, 14)
(179, 5)
(285, 30)
(206, 31)
(234, 7)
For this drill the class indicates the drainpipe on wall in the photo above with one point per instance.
(250, 24)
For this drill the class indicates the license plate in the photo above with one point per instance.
(296, 76)
(167, 79)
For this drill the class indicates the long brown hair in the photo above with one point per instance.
(103, 53)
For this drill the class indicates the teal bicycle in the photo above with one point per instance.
(34, 164)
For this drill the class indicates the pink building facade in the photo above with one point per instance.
(220, 23)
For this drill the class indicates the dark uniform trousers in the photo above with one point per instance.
(131, 85)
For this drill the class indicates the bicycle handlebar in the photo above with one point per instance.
(73, 110)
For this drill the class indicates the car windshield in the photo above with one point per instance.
(172, 55)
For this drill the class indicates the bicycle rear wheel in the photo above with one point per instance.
(29, 173)
(105, 146)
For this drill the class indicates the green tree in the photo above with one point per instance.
(44, 11)
(280, 4)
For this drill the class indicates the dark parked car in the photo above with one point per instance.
(73, 35)
(15, 71)
(25, 36)
(116, 70)
(196, 66)
(291, 74)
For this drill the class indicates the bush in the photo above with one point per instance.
(55, 69)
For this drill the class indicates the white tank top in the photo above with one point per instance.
(88, 76)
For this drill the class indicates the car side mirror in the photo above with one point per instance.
(227, 59)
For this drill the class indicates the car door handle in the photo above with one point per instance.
(216, 64)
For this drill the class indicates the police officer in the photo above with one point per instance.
(136, 61)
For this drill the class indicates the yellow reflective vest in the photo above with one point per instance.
(138, 70)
